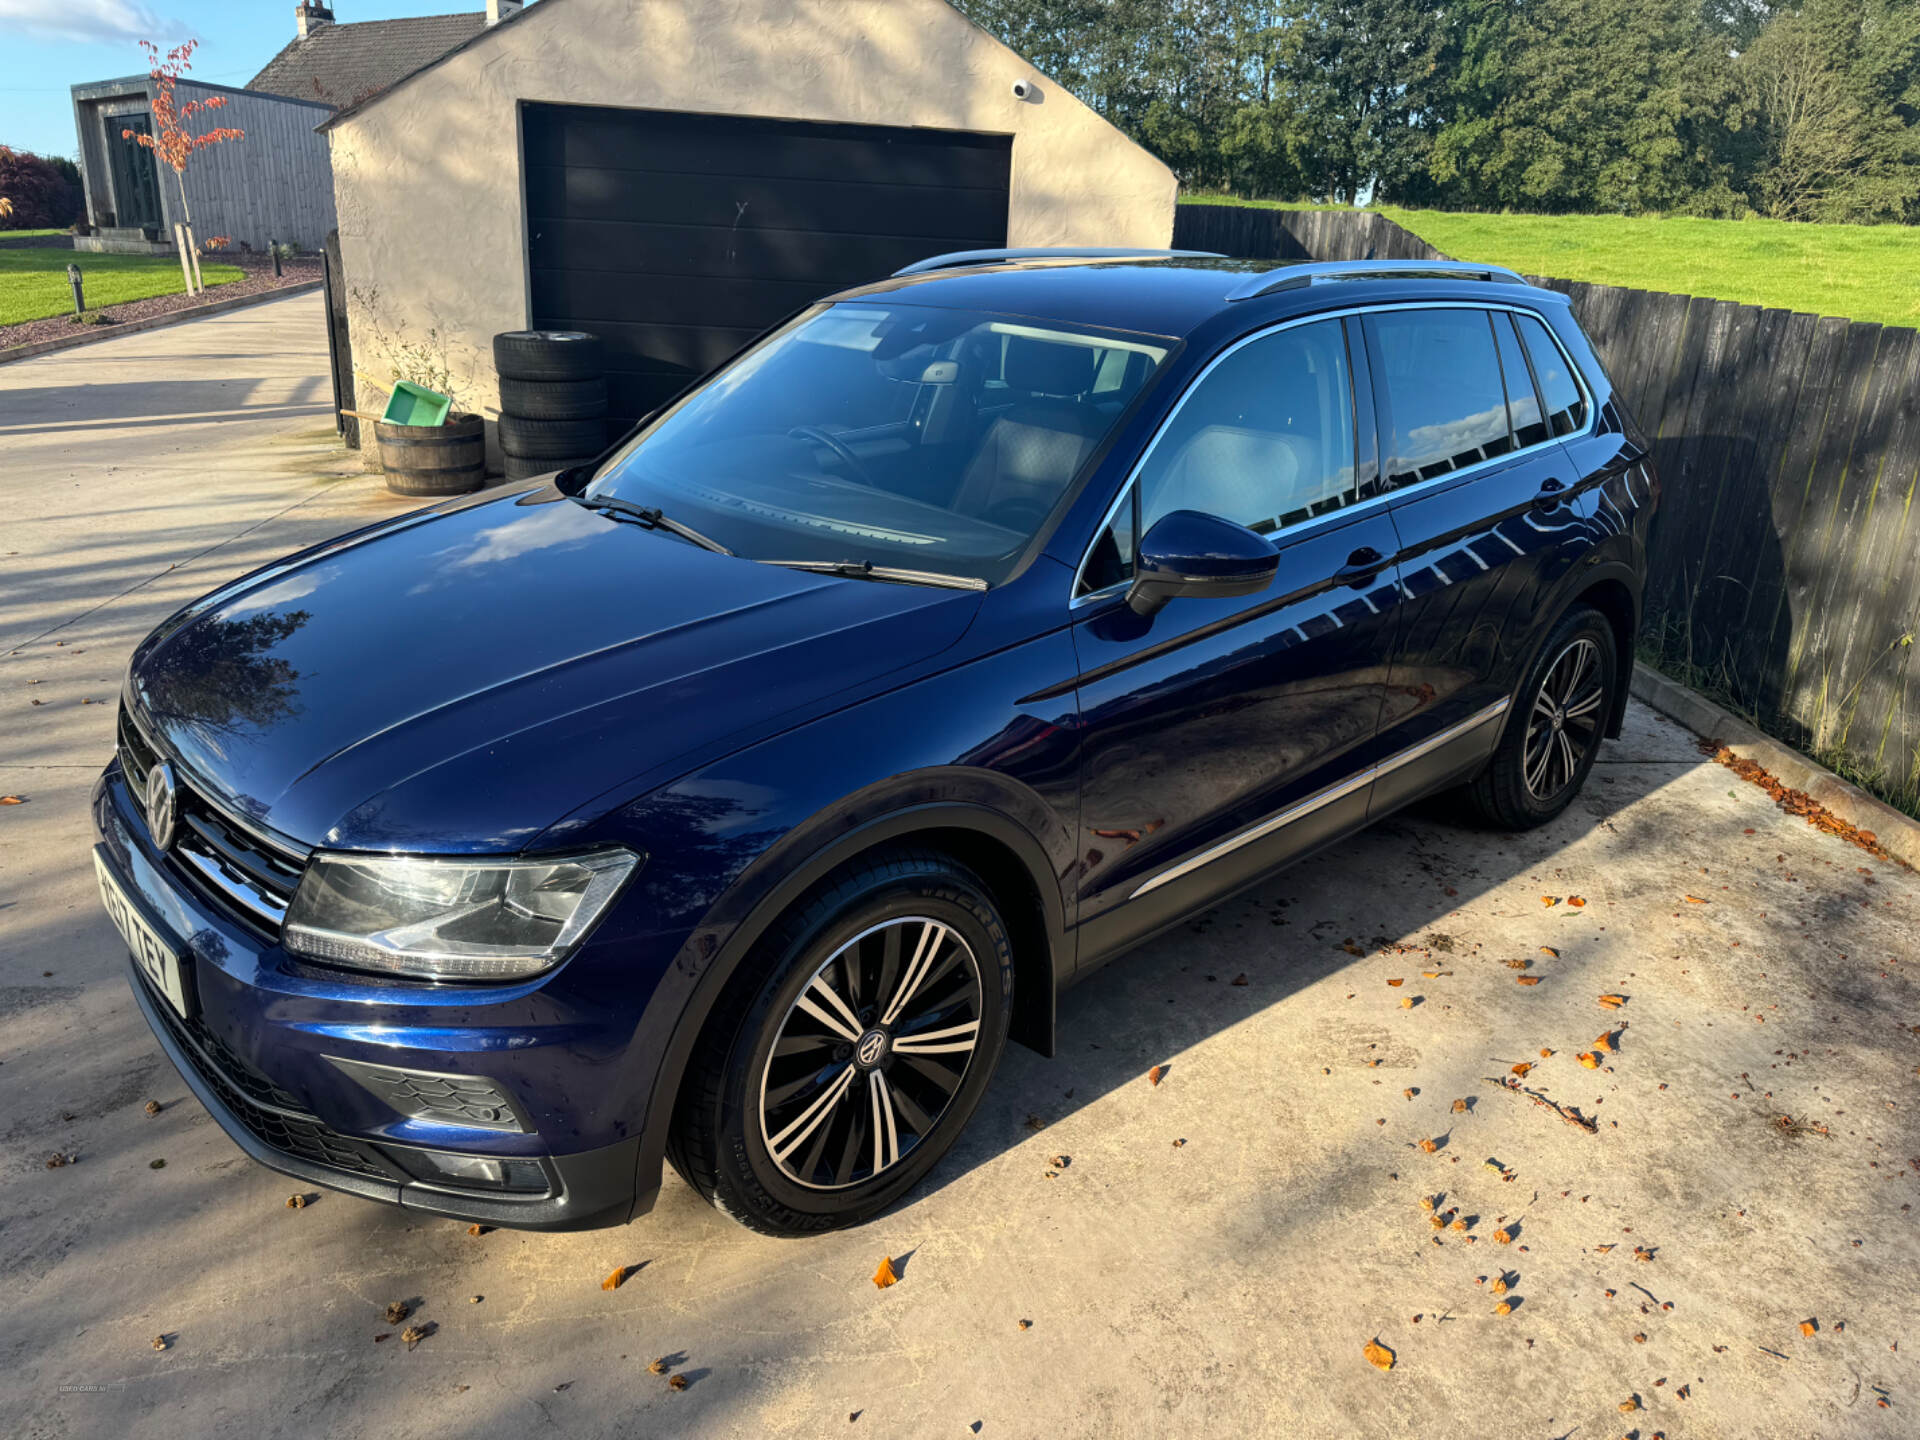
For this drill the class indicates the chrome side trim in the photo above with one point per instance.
(1388, 497)
(1321, 798)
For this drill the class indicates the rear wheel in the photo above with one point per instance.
(1554, 734)
(851, 1053)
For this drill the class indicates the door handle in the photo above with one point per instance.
(1362, 565)
(1552, 495)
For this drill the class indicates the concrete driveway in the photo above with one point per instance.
(1217, 1249)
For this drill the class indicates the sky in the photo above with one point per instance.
(48, 45)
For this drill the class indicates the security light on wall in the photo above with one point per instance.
(1026, 90)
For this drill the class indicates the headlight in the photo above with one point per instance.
(451, 919)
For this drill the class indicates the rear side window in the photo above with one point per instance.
(1566, 405)
(1439, 374)
(1265, 439)
(1523, 405)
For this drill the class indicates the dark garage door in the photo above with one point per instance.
(680, 237)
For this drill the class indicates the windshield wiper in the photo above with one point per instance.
(652, 517)
(867, 570)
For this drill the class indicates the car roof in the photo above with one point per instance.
(1176, 295)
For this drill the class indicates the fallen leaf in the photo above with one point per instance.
(156, 1164)
(1693, 899)
(678, 1382)
(1503, 1308)
(1500, 1285)
(1545, 1054)
(11, 800)
(1060, 1162)
(1522, 1068)
(1352, 949)
(1378, 1355)
(1605, 1043)
(1503, 1236)
(1155, 1075)
(160, 1342)
(1409, 1002)
(885, 1275)
(1613, 1002)
(1627, 1407)
(1026, 1324)
(478, 1229)
(1526, 979)
(1397, 983)
(1549, 900)
(414, 1334)
(1518, 964)
(660, 1366)
(1459, 1107)
(1576, 901)
(475, 1299)
(1034, 1122)
(1178, 1143)
(1428, 1146)
(1589, 1059)
(1549, 950)
(617, 1278)
(296, 1202)
(153, 1107)
(397, 1311)
(1238, 980)
(1808, 1327)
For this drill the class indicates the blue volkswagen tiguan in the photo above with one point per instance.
(734, 799)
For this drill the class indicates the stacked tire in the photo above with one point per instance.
(553, 399)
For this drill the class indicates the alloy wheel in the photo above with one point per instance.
(1564, 725)
(871, 1053)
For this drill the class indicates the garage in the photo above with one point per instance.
(677, 176)
(677, 238)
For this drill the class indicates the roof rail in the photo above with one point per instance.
(958, 258)
(1314, 272)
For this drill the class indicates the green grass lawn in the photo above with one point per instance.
(29, 234)
(1864, 272)
(33, 282)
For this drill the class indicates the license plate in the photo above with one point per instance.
(152, 952)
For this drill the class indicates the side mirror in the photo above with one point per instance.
(1187, 553)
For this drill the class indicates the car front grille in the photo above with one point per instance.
(232, 864)
(270, 1114)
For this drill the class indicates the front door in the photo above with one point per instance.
(136, 183)
(1223, 737)
(1487, 516)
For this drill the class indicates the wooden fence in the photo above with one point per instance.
(1786, 559)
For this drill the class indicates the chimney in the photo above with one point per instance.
(498, 10)
(311, 15)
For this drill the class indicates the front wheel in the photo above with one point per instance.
(1554, 734)
(851, 1053)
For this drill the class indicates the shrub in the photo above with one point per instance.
(45, 190)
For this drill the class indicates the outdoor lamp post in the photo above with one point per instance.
(79, 300)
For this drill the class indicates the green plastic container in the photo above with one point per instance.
(412, 404)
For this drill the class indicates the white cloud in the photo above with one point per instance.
(85, 20)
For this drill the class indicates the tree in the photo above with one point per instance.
(41, 192)
(1836, 85)
(172, 141)
(1614, 106)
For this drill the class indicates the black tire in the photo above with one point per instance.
(517, 467)
(548, 355)
(541, 439)
(721, 1141)
(1502, 794)
(553, 399)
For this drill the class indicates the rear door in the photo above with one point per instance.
(1223, 737)
(1483, 503)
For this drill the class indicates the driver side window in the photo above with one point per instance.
(1265, 439)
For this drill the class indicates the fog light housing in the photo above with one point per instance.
(505, 1173)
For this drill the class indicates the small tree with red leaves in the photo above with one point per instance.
(171, 140)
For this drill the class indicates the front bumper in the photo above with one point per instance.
(275, 1126)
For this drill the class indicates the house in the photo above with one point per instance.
(277, 183)
(678, 175)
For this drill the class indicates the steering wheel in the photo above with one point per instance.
(822, 436)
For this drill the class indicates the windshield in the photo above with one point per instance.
(891, 435)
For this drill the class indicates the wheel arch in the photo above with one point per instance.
(1619, 605)
(998, 848)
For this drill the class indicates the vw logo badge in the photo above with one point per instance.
(163, 804)
(872, 1046)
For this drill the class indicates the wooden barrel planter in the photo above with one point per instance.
(449, 459)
